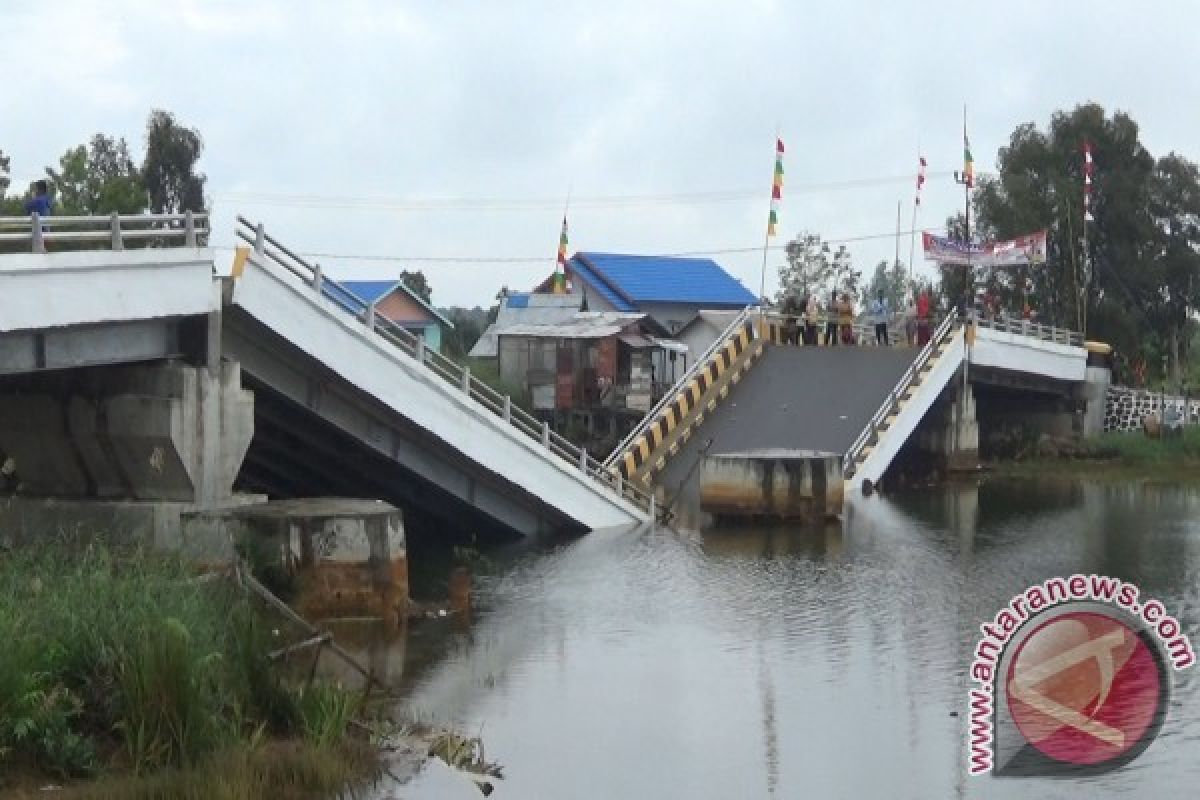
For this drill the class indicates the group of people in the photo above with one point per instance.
(839, 314)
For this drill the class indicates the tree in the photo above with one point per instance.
(1135, 285)
(893, 281)
(1175, 209)
(9, 206)
(469, 324)
(169, 168)
(812, 267)
(1040, 185)
(417, 281)
(97, 178)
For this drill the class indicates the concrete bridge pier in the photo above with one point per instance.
(950, 432)
(1095, 393)
(127, 447)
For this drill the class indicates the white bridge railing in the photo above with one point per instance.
(1036, 330)
(455, 374)
(114, 231)
(894, 397)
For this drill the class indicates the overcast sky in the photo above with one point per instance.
(446, 129)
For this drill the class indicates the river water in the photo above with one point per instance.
(775, 662)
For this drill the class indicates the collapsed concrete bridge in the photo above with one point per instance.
(150, 382)
(753, 391)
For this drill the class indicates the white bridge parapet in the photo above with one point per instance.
(1018, 352)
(56, 290)
(293, 310)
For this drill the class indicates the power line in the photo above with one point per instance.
(542, 259)
(461, 203)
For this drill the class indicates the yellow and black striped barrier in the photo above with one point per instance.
(644, 451)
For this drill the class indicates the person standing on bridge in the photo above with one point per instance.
(791, 320)
(879, 315)
(845, 312)
(40, 203)
(910, 320)
(812, 315)
(831, 328)
(923, 318)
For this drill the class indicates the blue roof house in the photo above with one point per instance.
(670, 290)
(395, 301)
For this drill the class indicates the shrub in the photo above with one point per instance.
(114, 659)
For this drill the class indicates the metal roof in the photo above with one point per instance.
(526, 309)
(628, 280)
(582, 325)
(373, 291)
(583, 270)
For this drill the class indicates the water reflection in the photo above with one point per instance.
(797, 662)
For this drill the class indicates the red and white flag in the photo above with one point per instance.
(920, 176)
(1088, 169)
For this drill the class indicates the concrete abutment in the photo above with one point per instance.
(162, 432)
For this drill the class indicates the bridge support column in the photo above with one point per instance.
(1095, 394)
(952, 434)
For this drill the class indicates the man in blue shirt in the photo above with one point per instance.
(879, 312)
(41, 203)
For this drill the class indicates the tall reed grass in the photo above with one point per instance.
(119, 661)
(1136, 449)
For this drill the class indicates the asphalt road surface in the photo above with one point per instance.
(803, 398)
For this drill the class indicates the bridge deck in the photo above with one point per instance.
(795, 397)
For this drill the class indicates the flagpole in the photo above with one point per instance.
(1081, 283)
(772, 219)
(912, 239)
(912, 231)
(896, 263)
(762, 283)
(1086, 277)
(966, 179)
(560, 262)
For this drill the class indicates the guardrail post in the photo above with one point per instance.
(419, 349)
(189, 229)
(620, 484)
(653, 508)
(545, 434)
(507, 408)
(260, 240)
(39, 243)
(583, 460)
(370, 320)
(316, 282)
(114, 223)
(466, 380)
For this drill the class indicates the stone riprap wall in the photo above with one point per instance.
(1124, 408)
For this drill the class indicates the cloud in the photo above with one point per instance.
(522, 101)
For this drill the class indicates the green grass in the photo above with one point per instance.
(1122, 455)
(1136, 449)
(282, 769)
(123, 663)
